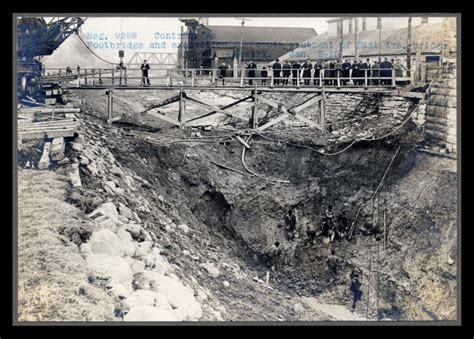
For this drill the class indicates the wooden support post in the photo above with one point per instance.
(182, 109)
(297, 79)
(214, 76)
(120, 79)
(93, 77)
(254, 109)
(338, 80)
(384, 223)
(193, 77)
(242, 73)
(100, 76)
(365, 78)
(125, 76)
(271, 79)
(393, 78)
(168, 78)
(113, 77)
(110, 106)
(322, 117)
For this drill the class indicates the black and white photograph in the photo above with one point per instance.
(236, 169)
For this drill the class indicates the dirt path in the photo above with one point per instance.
(338, 312)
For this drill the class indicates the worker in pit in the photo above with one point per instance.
(290, 224)
(342, 225)
(145, 67)
(273, 253)
(223, 72)
(355, 288)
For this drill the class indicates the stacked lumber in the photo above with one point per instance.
(49, 129)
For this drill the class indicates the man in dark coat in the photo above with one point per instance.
(223, 72)
(355, 72)
(346, 72)
(296, 72)
(317, 71)
(386, 71)
(375, 73)
(276, 72)
(355, 288)
(286, 72)
(251, 71)
(307, 67)
(145, 67)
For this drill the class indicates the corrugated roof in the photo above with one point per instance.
(394, 41)
(262, 34)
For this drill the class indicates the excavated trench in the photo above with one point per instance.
(209, 186)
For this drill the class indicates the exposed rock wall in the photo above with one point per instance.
(441, 111)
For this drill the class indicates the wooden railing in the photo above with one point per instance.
(182, 77)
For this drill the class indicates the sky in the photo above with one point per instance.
(106, 35)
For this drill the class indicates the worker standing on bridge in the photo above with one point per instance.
(223, 72)
(276, 72)
(145, 67)
(317, 72)
(286, 72)
(252, 71)
(307, 67)
(295, 72)
(386, 71)
(346, 69)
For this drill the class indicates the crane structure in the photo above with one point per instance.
(37, 38)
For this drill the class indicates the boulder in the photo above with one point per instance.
(210, 269)
(125, 211)
(149, 313)
(137, 266)
(106, 242)
(184, 228)
(104, 266)
(180, 297)
(128, 244)
(143, 297)
(120, 291)
(107, 209)
(77, 146)
(144, 248)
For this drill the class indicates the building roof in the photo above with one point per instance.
(262, 34)
(427, 37)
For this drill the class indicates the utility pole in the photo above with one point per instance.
(341, 21)
(356, 28)
(409, 46)
(242, 37)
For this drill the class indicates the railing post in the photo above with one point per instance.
(113, 77)
(242, 72)
(297, 79)
(321, 75)
(214, 71)
(78, 79)
(271, 79)
(125, 76)
(393, 77)
(322, 117)
(120, 79)
(365, 78)
(93, 77)
(193, 77)
(85, 76)
(100, 76)
(338, 79)
(182, 110)
(110, 108)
